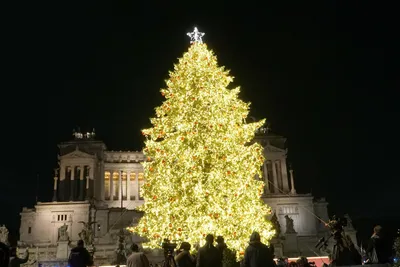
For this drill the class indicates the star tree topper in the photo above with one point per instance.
(195, 36)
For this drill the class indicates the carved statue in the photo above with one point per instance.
(87, 234)
(289, 225)
(4, 234)
(120, 252)
(349, 225)
(62, 233)
(277, 226)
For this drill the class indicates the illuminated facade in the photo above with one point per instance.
(104, 186)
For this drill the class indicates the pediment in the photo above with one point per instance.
(77, 154)
(273, 149)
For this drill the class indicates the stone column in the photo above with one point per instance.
(111, 185)
(128, 185)
(285, 180)
(274, 174)
(91, 180)
(72, 191)
(137, 195)
(81, 182)
(61, 189)
(87, 187)
(102, 183)
(266, 181)
(293, 191)
(55, 189)
(62, 172)
(120, 185)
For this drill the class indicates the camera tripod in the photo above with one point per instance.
(169, 260)
(343, 252)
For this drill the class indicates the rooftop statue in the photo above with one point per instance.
(4, 234)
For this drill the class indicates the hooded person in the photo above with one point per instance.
(258, 254)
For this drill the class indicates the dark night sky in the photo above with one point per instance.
(322, 72)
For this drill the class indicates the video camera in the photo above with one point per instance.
(336, 226)
(168, 246)
(343, 252)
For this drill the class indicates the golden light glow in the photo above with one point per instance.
(201, 163)
(140, 177)
(107, 185)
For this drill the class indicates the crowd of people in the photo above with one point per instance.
(256, 254)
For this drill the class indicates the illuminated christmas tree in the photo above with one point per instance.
(201, 161)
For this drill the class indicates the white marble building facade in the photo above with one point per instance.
(95, 184)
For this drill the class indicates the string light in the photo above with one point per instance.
(201, 161)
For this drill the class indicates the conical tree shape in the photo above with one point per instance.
(201, 162)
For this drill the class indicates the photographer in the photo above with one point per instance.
(344, 251)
